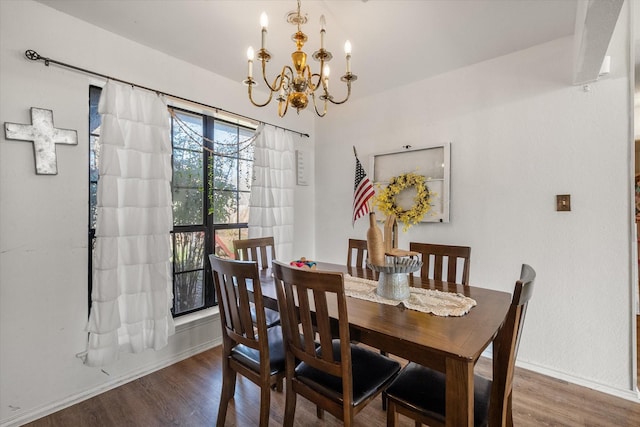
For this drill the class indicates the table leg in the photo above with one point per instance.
(459, 393)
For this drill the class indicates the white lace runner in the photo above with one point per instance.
(425, 300)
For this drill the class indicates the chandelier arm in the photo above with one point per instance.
(288, 75)
(275, 86)
(344, 100)
(315, 107)
(318, 85)
(281, 113)
(310, 76)
(255, 103)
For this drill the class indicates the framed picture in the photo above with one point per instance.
(432, 162)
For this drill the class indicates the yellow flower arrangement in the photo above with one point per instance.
(386, 200)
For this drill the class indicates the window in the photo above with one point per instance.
(94, 134)
(210, 200)
(210, 197)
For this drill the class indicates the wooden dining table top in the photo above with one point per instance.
(449, 344)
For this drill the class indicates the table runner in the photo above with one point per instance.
(425, 300)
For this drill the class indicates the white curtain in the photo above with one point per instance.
(272, 190)
(132, 280)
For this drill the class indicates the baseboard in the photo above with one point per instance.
(624, 394)
(45, 410)
(632, 395)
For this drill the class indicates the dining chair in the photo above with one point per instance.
(419, 392)
(357, 254)
(434, 255)
(249, 347)
(339, 377)
(263, 251)
(260, 249)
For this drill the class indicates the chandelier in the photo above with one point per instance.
(295, 85)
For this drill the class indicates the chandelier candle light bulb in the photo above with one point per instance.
(250, 55)
(326, 71)
(264, 22)
(347, 51)
(323, 24)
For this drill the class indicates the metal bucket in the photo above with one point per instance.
(393, 286)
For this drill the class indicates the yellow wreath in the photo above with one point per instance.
(386, 200)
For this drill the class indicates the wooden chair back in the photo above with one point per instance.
(357, 255)
(303, 300)
(434, 255)
(325, 374)
(261, 250)
(237, 286)
(505, 350)
(231, 278)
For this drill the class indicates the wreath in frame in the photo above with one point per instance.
(386, 201)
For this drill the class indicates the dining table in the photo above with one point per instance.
(449, 344)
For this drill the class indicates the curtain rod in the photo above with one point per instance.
(35, 56)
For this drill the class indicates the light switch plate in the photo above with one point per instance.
(563, 202)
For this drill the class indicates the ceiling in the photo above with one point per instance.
(394, 42)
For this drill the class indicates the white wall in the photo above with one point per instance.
(43, 219)
(520, 133)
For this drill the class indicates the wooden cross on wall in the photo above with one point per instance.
(44, 137)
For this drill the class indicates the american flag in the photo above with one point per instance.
(362, 192)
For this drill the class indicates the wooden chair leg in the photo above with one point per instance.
(509, 415)
(348, 418)
(319, 413)
(265, 405)
(392, 415)
(228, 390)
(289, 407)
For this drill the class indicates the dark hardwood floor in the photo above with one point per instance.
(187, 394)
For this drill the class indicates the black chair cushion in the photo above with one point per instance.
(371, 373)
(421, 388)
(251, 357)
(272, 317)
